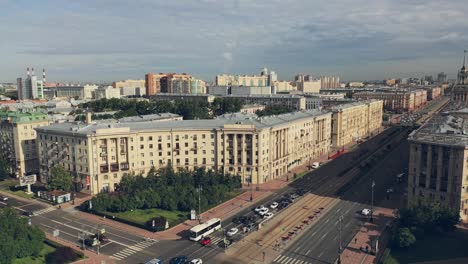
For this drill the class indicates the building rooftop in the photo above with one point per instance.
(448, 128)
(22, 117)
(351, 105)
(236, 119)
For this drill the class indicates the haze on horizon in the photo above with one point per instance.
(106, 40)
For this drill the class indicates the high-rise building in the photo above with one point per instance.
(441, 77)
(30, 88)
(153, 83)
(129, 84)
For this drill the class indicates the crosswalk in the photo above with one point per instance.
(216, 240)
(288, 260)
(133, 249)
(43, 211)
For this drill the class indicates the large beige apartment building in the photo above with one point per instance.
(241, 80)
(257, 149)
(173, 83)
(438, 163)
(355, 121)
(18, 140)
(129, 84)
(397, 101)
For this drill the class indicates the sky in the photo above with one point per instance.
(109, 40)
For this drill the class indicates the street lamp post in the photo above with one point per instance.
(372, 202)
(199, 203)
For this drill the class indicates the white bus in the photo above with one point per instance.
(199, 231)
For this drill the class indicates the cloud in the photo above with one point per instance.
(349, 37)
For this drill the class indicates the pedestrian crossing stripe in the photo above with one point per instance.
(43, 211)
(288, 260)
(130, 250)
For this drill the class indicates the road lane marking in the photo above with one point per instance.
(308, 251)
(281, 259)
(297, 249)
(320, 254)
(277, 258)
(327, 220)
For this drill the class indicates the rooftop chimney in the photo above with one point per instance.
(88, 118)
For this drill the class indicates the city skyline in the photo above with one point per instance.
(113, 40)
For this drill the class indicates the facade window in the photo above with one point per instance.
(115, 175)
(151, 154)
(151, 162)
(106, 177)
(150, 138)
(142, 163)
(150, 146)
(186, 144)
(142, 146)
(168, 145)
(203, 136)
(141, 138)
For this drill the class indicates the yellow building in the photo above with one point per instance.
(238, 80)
(129, 84)
(438, 162)
(257, 149)
(355, 121)
(18, 140)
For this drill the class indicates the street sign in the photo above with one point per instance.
(56, 233)
(27, 180)
(193, 214)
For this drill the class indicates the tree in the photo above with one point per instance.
(274, 110)
(60, 179)
(404, 238)
(61, 255)
(4, 169)
(221, 106)
(17, 238)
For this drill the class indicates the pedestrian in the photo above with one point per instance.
(355, 240)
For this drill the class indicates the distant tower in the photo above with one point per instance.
(43, 75)
(28, 71)
(32, 73)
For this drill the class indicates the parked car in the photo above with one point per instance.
(231, 232)
(196, 261)
(366, 211)
(274, 205)
(315, 165)
(239, 220)
(268, 216)
(259, 208)
(206, 241)
(263, 212)
(28, 213)
(178, 260)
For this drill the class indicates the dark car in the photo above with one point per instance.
(239, 220)
(28, 213)
(179, 260)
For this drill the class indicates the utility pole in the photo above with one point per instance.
(199, 203)
(340, 220)
(372, 203)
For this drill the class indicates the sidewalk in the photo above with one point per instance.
(92, 258)
(354, 253)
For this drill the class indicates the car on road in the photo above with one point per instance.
(179, 260)
(274, 205)
(231, 232)
(366, 211)
(196, 261)
(390, 190)
(263, 212)
(260, 208)
(315, 165)
(3, 198)
(205, 241)
(27, 213)
(268, 216)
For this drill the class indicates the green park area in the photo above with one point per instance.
(426, 232)
(39, 259)
(164, 196)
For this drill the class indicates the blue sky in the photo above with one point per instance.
(106, 40)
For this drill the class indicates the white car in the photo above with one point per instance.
(196, 261)
(4, 198)
(274, 205)
(366, 211)
(390, 190)
(232, 232)
(263, 212)
(315, 165)
(268, 216)
(260, 208)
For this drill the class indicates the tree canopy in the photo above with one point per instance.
(274, 110)
(4, 169)
(404, 238)
(168, 190)
(60, 179)
(17, 238)
(188, 109)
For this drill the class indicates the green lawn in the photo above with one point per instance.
(143, 216)
(6, 184)
(432, 247)
(20, 194)
(36, 260)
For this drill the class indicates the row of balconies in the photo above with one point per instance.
(114, 167)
